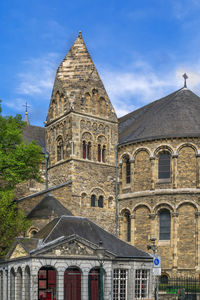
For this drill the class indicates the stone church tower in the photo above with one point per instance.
(81, 133)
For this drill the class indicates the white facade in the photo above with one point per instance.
(15, 280)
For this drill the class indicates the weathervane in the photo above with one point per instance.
(185, 78)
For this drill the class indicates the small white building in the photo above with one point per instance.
(72, 258)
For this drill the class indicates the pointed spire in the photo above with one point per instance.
(77, 78)
(80, 34)
(26, 119)
(77, 66)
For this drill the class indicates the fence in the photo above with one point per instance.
(184, 287)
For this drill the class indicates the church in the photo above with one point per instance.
(137, 177)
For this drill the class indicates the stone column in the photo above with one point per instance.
(174, 238)
(1, 282)
(152, 218)
(107, 281)
(197, 215)
(16, 287)
(84, 293)
(60, 283)
(197, 170)
(8, 284)
(120, 174)
(23, 284)
(34, 283)
(131, 283)
(132, 164)
(153, 172)
(5, 284)
(132, 219)
(121, 227)
(174, 170)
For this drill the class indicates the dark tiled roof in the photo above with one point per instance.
(34, 133)
(83, 227)
(176, 115)
(48, 206)
(29, 244)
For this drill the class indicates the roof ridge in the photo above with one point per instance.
(52, 228)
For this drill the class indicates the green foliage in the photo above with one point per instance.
(19, 161)
(12, 221)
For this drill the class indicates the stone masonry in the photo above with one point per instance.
(81, 133)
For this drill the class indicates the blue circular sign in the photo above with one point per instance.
(156, 261)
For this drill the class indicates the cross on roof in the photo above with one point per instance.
(26, 105)
(185, 78)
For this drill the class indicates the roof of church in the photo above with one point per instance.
(66, 226)
(48, 206)
(34, 133)
(29, 244)
(176, 115)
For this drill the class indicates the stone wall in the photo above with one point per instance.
(142, 179)
(184, 171)
(147, 195)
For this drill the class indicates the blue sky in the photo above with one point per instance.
(140, 48)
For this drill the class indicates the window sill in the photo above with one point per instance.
(126, 186)
(164, 180)
(163, 242)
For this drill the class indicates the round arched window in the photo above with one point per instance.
(165, 224)
(164, 165)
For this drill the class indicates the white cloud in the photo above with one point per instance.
(131, 90)
(16, 105)
(128, 90)
(37, 76)
(184, 8)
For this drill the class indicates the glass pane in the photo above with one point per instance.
(165, 224)
(164, 166)
(128, 171)
(100, 201)
(93, 200)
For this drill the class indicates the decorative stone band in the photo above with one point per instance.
(160, 192)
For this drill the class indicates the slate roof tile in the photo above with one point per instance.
(176, 115)
(83, 227)
(48, 205)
